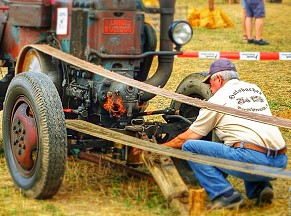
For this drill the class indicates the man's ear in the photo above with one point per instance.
(219, 78)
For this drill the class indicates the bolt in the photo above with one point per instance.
(72, 72)
(84, 75)
(107, 83)
(130, 88)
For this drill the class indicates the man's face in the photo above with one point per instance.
(216, 84)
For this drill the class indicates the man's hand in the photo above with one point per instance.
(178, 141)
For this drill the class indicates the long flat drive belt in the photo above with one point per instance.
(104, 133)
(114, 136)
(272, 120)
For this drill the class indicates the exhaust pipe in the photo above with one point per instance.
(165, 66)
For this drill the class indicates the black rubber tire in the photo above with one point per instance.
(192, 87)
(36, 162)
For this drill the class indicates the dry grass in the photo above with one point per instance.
(87, 189)
(92, 190)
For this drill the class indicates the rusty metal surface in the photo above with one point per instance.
(272, 120)
(108, 134)
(79, 36)
(106, 162)
(30, 15)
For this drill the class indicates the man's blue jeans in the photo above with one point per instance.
(213, 179)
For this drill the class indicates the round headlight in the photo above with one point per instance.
(180, 32)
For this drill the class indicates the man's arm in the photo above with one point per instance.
(178, 141)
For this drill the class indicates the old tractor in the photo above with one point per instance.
(60, 56)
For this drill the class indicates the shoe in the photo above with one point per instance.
(266, 196)
(250, 41)
(261, 42)
(234, 201)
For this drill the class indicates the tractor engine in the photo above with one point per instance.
(114, 35)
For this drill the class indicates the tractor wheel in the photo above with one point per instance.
(34, 135)
(192, 87)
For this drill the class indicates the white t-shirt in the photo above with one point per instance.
(230, 129)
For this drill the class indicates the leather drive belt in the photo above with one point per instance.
(260, 148)
(70, 59)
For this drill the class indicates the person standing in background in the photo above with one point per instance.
(243, 21)
(211, 5)
(255, 9)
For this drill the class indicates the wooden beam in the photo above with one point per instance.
(196, 201)
(169, 180)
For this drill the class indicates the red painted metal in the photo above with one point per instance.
(25, 138)
(118, 26)
(4, 8)
(68, 110)
(125, 40)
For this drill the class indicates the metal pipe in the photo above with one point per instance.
(147, 9)
(102, 161)
(165, 67)
(143, 55)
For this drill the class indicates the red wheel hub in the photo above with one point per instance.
(24, 137)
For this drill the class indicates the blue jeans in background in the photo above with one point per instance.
(213, 179)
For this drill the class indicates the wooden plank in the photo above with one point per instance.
(169, 180)
(272, 120)
(196, 201)
(114, 136)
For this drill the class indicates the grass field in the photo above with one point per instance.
(89, 189)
